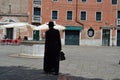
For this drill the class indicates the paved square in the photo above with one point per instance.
(82, 63)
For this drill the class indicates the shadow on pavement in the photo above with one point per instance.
(26, 73)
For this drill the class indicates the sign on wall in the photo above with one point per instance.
(90, 32)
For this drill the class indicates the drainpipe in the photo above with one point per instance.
(9, 9)
(76, 20)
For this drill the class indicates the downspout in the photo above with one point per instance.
(76, 20)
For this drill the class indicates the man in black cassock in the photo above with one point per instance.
(52, 50)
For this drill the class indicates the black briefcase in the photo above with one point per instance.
(62, 56)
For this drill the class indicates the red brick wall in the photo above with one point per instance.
(91, 7)
(62, 6)
(30, 10)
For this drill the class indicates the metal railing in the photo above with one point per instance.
(118, 21)
(37, 2)
(36, 18)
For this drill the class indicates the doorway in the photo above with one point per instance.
(118, 37)
(72, 37)
(36, 35)
(9, 33)
(106, 37)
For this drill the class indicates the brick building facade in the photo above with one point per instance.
(87, 22)
(93, 17)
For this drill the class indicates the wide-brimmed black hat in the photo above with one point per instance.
(51, 23)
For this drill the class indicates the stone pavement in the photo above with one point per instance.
(82, 63)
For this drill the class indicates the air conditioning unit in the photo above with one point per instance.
(118, 21)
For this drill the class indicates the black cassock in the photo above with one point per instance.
(52, 50)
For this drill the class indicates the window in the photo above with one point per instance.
(69, 0)
(37, 14)
(98, 16)
(118, 14)
(55, 0)
(69, 15)
(37, 11)
(83, 0)
(114, 2)
(83, 15)
(118, 17)
(99, 0)
(54, 14)
(38, 2)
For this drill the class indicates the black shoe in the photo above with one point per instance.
(46, 72)
(55, 73)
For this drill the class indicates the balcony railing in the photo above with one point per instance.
(37, 2)
(118, 21)
(36, 18)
